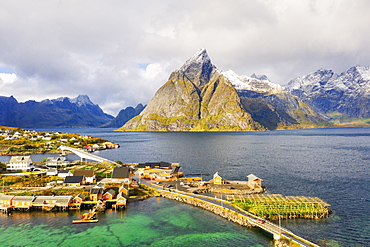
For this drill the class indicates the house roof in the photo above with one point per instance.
(82, 196)
(57, 199)
(63, 171)
(24, 198)
(17, 159)
(154, 164)
(86, 173)
(56, 159)
(5, 197)
(253, 177)
(73, 179)
(121, 172)
(96, 191)
(111, 191)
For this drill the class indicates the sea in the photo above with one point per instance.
(330, 163)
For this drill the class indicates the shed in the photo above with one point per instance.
(217, 179)
(254, 181)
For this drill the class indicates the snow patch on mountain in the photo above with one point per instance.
(252, 83)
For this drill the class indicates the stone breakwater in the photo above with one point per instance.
(223, 212)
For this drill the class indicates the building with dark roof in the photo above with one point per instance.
(74, 180)
(89, 175)
(122, 174)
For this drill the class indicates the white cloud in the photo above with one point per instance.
(60, 48)
(8, 78)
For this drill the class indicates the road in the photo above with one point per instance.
(254, 220)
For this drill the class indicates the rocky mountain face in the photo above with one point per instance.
(199, 97)
(271, 105)
(339, 96)
(61, 112)
(123, 116)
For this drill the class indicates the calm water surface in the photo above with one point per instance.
(333, 164)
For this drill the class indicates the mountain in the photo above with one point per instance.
(61, 112)
(342, 96)
(199, 97)
(271, 105)
(124, 116)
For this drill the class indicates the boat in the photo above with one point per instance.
(89, 217)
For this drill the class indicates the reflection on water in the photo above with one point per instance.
(333, 164)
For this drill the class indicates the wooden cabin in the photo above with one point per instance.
(123, 190)
(6, 200)
(109, 195)
(49, 202)
(96, 193)
(254, 181)
(23, 202)
(79, 198)
(217, 179)
(121, 201)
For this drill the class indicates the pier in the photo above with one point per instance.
(232, 213)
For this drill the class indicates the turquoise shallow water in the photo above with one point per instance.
(333, 164)
(154, 222)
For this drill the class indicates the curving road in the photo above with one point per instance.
(266, 225)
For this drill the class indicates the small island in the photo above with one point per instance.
(17, 141)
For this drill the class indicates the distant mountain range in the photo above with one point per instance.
(124, 116)
(199, 97)
(61, 112)
(344, 97)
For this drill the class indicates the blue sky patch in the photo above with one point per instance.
(143, 65)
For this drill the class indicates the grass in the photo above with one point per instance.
(274, 207)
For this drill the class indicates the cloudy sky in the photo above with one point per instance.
(120, 52)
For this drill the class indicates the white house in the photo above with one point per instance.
(19, 163)
(56, 161)
(64, 173)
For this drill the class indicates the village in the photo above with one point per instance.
(17, 141)
(85, 189)
(79, 188)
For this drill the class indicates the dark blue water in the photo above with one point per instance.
(333, 164)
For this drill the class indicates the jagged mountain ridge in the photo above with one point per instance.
(193, 99)
(61, 112)
(123, 116)
(199, 97)
(327, 92)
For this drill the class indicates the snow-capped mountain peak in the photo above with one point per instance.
(200, 57)
(252, 83)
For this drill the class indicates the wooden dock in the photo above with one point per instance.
(233, 213)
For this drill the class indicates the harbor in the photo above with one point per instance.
(166, 179)
(282, 173)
